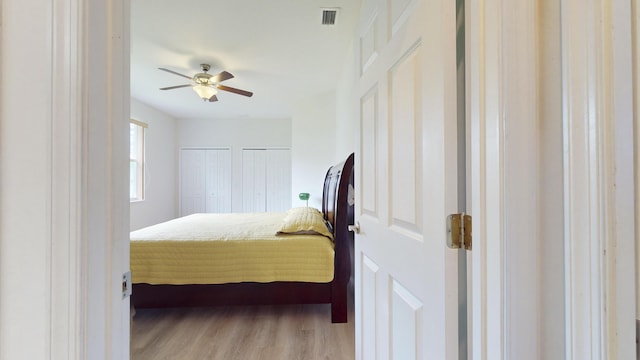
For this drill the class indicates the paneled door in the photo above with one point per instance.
(192, 181)
(254, 181)
(266, 180)
(205, 181)
(218, 181)
(406, 173)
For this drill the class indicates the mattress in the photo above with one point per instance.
(228, 248)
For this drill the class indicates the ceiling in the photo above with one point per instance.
(277, 49)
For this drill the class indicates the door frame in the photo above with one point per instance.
(503, 99)
(599, 179)
(89, 202)
(504, 152)
(64, 199)
(636, 111)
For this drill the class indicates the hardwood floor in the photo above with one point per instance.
(242, 332)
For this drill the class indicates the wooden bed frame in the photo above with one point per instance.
(336, 209)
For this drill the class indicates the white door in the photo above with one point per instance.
(218, 181)
(266, 180)
(278, 180)
(406, 277)
(205, 181)
(192, 181)
(254, 197)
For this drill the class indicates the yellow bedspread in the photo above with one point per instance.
(224, 248)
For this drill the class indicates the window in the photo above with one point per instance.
(136, 160)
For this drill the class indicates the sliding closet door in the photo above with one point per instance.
(205, 181)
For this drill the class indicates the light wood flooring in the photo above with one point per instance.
(300, 332)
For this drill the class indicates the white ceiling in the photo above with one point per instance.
(277, 49)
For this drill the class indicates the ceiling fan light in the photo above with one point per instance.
(205, 92)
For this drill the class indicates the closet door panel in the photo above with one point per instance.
(218, 181)
(278, 180)
(254, 196)
(205, 181)
(192, 182)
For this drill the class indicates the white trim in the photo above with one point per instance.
(621, 289)
(484, 94)
(636, 117)
(264, 148)
(118, 65)
(521, 156)
(598, 131)
(502, 98)
(204, 148)
(64, 217)
(140, 160)
(620, 259)
(139, 123)
(66, 268)
(101, 117)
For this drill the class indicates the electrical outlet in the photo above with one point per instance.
(126, 284)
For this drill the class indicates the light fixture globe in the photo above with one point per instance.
(205, 92)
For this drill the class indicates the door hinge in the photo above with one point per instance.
(459, 231)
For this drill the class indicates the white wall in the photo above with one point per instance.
(310, 134)
(161, 154)
(347, 107)
(235, 134)
(313, 147)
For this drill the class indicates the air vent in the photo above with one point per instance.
(329, 16)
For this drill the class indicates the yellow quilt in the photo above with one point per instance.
(226, 248)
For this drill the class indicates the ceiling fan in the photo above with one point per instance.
(205, 84)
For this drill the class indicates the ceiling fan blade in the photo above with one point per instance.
(221, 77)
(234, 90)
(175, 87)
(213, 98)
(175, 73)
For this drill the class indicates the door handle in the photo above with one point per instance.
(355, 227)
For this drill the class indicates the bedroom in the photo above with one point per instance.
(294, 84)
(293, 106)
(554, 327)
(65, 302)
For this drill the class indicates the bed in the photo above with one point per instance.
(302, 256)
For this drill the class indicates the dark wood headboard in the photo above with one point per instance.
(339, 212)
(335, 195)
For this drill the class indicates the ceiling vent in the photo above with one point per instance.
(329, 16)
